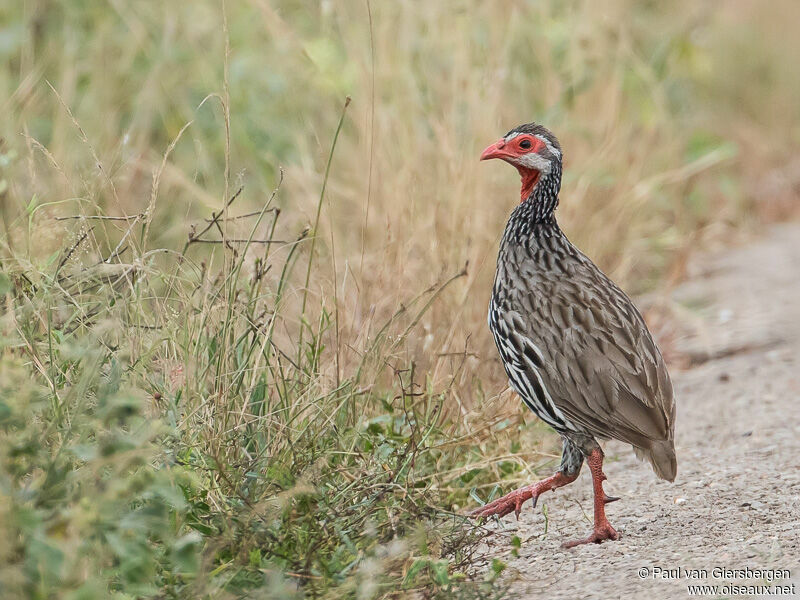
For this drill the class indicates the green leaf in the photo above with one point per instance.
(440, 570)
(415, 569)
(498, 566)
(255, 557)
(5, 284)
(186, 552)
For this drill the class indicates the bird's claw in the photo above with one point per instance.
(602, 532)
(502, 506)
(513, 501)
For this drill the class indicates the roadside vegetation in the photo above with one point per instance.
(246, 252)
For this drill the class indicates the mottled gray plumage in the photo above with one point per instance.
(574, 346)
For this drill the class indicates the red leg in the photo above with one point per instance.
(602, 528)
(514, 500)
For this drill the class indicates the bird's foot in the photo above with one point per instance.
(513, 501)
(602, 532)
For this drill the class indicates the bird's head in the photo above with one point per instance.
(536, 154)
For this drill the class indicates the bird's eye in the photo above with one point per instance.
(525, 144)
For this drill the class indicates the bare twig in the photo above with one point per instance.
(121, 245)
(71, 251)
(99, 217)
(239, 241)
(193, 237)
(255, 213)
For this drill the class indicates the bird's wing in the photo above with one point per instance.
(601, 365)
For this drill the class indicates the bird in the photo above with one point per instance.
(575, 348)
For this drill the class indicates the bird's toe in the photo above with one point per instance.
(601, 533)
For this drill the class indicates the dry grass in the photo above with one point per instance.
(299, 407)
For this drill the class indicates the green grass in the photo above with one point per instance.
(243, 349)
(160, 439)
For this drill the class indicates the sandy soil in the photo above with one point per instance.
(736, 501)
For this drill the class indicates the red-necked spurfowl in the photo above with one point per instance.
(574, 347)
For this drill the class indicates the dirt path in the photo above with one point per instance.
(736, 501)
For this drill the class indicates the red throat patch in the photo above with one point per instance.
(529, 179)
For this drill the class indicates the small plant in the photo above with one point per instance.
(172, 428)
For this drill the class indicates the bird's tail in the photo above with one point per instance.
(661, 455)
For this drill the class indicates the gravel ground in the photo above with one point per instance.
(736, 501)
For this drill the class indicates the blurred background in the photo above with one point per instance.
(679, 123)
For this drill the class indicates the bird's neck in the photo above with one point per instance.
(528, 226)
(540, 194)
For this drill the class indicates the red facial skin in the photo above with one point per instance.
(512, 150)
